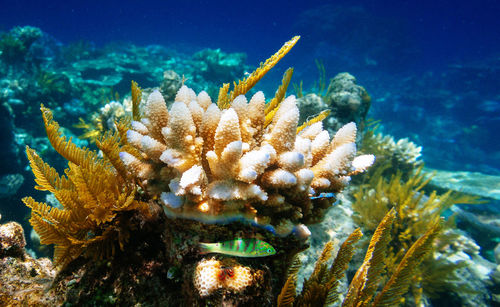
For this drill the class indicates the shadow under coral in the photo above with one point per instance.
(157, 265)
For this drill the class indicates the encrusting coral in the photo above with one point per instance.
(211, 275)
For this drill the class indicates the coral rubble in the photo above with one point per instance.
(24, 281)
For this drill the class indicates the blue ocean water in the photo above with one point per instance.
(432, 68)
(382, 43)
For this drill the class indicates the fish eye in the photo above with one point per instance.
(269, 250)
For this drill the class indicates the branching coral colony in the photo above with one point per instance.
(244, 164)
(220, 162)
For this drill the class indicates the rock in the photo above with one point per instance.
(473, 183)
(220, 66)
(24, 281)
(310, 105)
(171, 83)
(12, 240)
(348, 100)
(497, 253)
(9, 184)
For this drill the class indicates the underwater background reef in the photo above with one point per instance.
(149, 159)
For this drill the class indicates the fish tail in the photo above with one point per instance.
(205, 248)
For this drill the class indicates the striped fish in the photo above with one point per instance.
(240, 248)
(323, 195)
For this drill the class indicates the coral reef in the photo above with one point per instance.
(402, 155)
(109, 252)
(248, 169)
(320, 289)
(416, 211)
(234, 169)
(222, 162)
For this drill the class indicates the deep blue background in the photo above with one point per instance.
(440, 30)
(390, 46)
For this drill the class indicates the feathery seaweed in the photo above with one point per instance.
(243, 86)
(136, 100)
(92, 193)
(320, 289)
(366, 280)
(274, 104)
(398, 285)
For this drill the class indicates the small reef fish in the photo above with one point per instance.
(240, 248)
(323, 195)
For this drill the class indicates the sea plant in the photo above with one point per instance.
(95, 194)
(367, 287)
(15, 45)
(416, 211)
(104, 120)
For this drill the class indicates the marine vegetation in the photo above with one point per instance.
(104, 119)
(319, 87)
(12, 49)
(53, 86)
(416, 211)
(95, 196)
(366, 287)
(220, 171)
